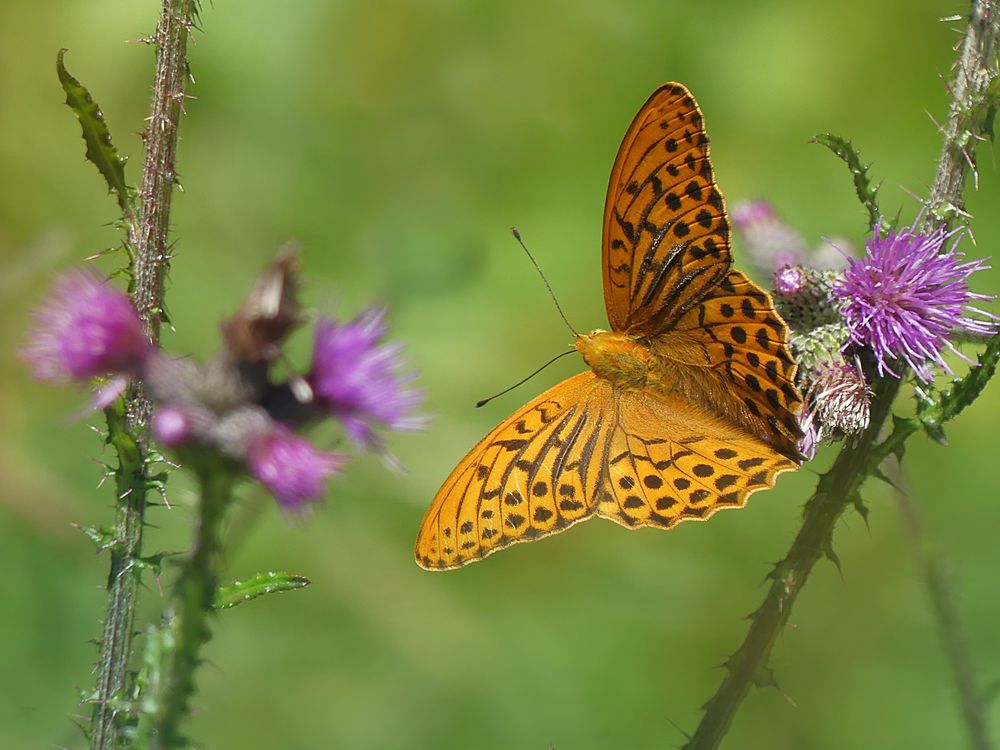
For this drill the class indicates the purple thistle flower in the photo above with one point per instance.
(770, 242)
(358, 380)
(789, 281)
(837, 404)
(171, 425)
(290, 467)
(812, 434)
(84, 329)
(843, 398)
(907, 295)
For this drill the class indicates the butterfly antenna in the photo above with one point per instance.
(517, 236)
(522, 382)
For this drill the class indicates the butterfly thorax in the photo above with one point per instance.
(616, 357)
(672, 364)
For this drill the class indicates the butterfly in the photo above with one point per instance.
(690, 403)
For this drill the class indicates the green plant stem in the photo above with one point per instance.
(148, 240)
(834, 494)
(193, 599)
(969, 110)
(123, 580)
(152, 258)
(972, 699)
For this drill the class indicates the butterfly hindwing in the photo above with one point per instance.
(637, 458)
(536, 473)
(670, 462)
(666, 234)
(747, 341)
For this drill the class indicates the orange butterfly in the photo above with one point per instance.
(690, 405)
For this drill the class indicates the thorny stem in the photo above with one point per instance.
(971, 697)
(148, 239)
(192, 606)
(835, 491)
(152, 259)
(968, 111)
(838, 488)
(123, 580)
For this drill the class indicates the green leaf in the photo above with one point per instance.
(764, 677)
(100, 150)
(238, 592)
(844, 149)
(103, 537)
(129, 452)
(935, 408)
(901, 426)
(936, 433)
(829, 553)
(159, 643)
(780, 572)
(157, 482)
(859, 503)
(966, 390)
(153, 562)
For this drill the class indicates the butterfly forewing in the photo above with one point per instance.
(536, 473)
(666, 235)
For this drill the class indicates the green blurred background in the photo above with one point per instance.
(397, 142)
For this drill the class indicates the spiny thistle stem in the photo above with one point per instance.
(838, 488)
(148, 240)
(187, 627)
(834, 493)
(973, 700)
(152, 259)
(968, 113)
(123, 581)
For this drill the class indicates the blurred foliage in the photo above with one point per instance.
(397, 142)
